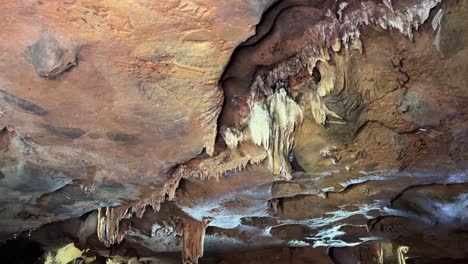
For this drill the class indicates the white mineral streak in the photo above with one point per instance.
(436, 26)
(341, 7)
(437, 19)
(388, 3)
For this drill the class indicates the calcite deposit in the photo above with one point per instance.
(247, 131)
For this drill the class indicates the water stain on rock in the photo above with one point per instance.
(64, 132)
(94, 136)
(4, 139)
(22, 104)
(122, 137)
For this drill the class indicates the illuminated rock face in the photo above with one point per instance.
(136, 128)
(142, 98)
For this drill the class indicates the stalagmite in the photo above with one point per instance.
(194, 235)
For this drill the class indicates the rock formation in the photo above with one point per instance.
(250, 131)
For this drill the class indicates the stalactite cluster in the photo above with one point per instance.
(270, 125)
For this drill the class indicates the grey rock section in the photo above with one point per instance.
(22, 104)
(64, 132)
(27, 182)
(49, 58)
(421, 109)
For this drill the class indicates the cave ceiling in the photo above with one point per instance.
(301, 129)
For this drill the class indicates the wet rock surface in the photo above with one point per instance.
(286, 131)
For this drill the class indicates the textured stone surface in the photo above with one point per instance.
(143, 97)
(332, 131)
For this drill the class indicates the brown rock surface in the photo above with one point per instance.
(146, 80)
(251, 131)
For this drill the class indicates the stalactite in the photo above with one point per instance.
(260, 125)
(348, 23)
(401, 252)
(109, 230)
(194, 235)
(267, 125)
(233, 136)
(323, 38)
(108, 224)
(171, 189)
(225, 161)
(286, 116)
(392, 253)
(319, 110)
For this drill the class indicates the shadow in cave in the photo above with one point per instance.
(20, 251)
